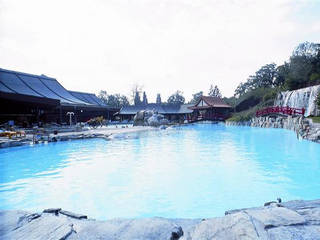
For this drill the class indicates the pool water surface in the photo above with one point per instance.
(193, 171)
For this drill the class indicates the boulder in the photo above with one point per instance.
(149, 118)
(139, 119)
(276, 216)
(234, 226)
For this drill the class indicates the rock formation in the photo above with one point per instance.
(298, 220)
(302, 126)
(149, 118)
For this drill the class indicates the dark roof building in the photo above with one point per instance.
(164, 109)
(24, 94)
(89, 98)
(36, 86)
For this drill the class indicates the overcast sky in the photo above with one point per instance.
(164, 45)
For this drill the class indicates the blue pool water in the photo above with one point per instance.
(190, 172)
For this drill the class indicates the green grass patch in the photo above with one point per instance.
(315, 119)
(244, 115)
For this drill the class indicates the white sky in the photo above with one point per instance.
(164, 45)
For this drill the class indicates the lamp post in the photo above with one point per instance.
(70, 116)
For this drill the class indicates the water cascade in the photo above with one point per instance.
(301, 98)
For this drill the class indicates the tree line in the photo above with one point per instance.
(302, 70)
(119, 100)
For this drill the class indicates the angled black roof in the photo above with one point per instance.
(37, 86)
(88, 98)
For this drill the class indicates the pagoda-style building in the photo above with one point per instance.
(209, 108)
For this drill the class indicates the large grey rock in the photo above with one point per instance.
(156, 120)
(17, 225)
(149, 118)
(234, 226)
(139, 119)
(9, 220)
(276, 216)
(294, 233)
(297, 220)
(301, 204)
(45, 227)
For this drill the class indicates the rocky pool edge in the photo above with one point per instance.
(303, 127)
(298, 219)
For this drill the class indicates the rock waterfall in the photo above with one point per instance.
(301, 98)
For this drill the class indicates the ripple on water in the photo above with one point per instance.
(192, 171)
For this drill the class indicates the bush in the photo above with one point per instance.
(270, 95)
(258, 97)
(315, 78)
(244, 115)
(96, 122)
(318, 100)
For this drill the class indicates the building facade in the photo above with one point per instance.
(28, 98)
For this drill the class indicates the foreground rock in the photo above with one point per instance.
(297, 220)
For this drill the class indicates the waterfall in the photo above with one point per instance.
(301, 98)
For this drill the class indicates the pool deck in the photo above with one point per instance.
(106, 133)
(275, 221)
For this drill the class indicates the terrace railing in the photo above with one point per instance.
(280, 110)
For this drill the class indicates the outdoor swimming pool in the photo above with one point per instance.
(187, 172)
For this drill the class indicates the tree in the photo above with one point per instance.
(124, 101)
(137, 100)
(103, 96)
(303, 64)
(176, 98)
(136, 89)
(144, 100)
(196, 97)
(306, 49)
(318, 100)
(158, 101)
(214, 91)
(265, 76)
(240, 90)
(281, 74)
(113, 100)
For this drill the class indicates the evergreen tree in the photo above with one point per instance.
(144, 100)
(158, 101)
(137, 100)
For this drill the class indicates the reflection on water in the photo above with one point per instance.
(194, 171)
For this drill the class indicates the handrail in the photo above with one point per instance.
(280, 110)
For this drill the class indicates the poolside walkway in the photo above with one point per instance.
(104, 132)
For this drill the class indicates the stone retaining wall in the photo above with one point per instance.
(302, 126)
